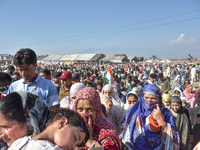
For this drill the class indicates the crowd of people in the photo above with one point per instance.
(78, 107)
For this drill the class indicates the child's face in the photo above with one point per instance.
(68, 137)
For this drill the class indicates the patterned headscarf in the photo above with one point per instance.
(103, 130)
(142, 130)
(36, 111)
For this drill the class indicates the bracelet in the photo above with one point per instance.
(163, 126)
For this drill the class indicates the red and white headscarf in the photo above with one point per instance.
(103, 130)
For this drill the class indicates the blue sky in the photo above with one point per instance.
(168, 29)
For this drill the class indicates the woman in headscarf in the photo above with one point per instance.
(137, 90)
(113, 104)
(132, 98)
(182, 119)
(183, 79)
(118, 89)
(103, 134)
(191, 95)
(22, 114)
(69, 100)
(186, 83)
(148, 125)
(177, 83)
(185, 101)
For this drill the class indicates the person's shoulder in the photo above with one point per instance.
(17, 81)
(46, 81)
(27, 143)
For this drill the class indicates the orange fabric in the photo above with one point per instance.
(154, 127)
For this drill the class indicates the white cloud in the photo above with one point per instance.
(180, 39)
(183, 39)
(192, 39)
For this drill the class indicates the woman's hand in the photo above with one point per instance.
(91, 139)
(157, 114)
(108, 102)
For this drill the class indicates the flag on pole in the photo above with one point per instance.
(109, 77)
(125, 69)
(190, 58)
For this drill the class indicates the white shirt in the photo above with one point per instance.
(26, 143)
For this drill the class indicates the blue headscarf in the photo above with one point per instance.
(121, 96)
(183, 79)
(137, 134)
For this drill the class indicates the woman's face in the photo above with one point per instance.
(178, 81)
(107, 92)
(186, 84)
(85, 106)
(68, 136)
(11, 130)
(132, 100)
(148, 97)
(175, 106)
(189, 90)
(115, 87)
(176, 92)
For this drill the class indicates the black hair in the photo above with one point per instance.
(100, 83)
(135, 78)
(73, 118)
(122, 84)
(25, 55)
(57, 74)
(154, 76)
(160, 75)
(90, 84)
(11, 107)
(16, 74)
(5, 77)
(11, 67)
(45, 71)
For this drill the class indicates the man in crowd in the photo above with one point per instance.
(198, 71)
(193, 74)
(75, 77)
(103, 72)
(56, 80)
(10, 70)
(16, 75)
(26, 62)
(152, 79)
(45, 73)
(5, 81)
(164, 83)
(66, 83)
